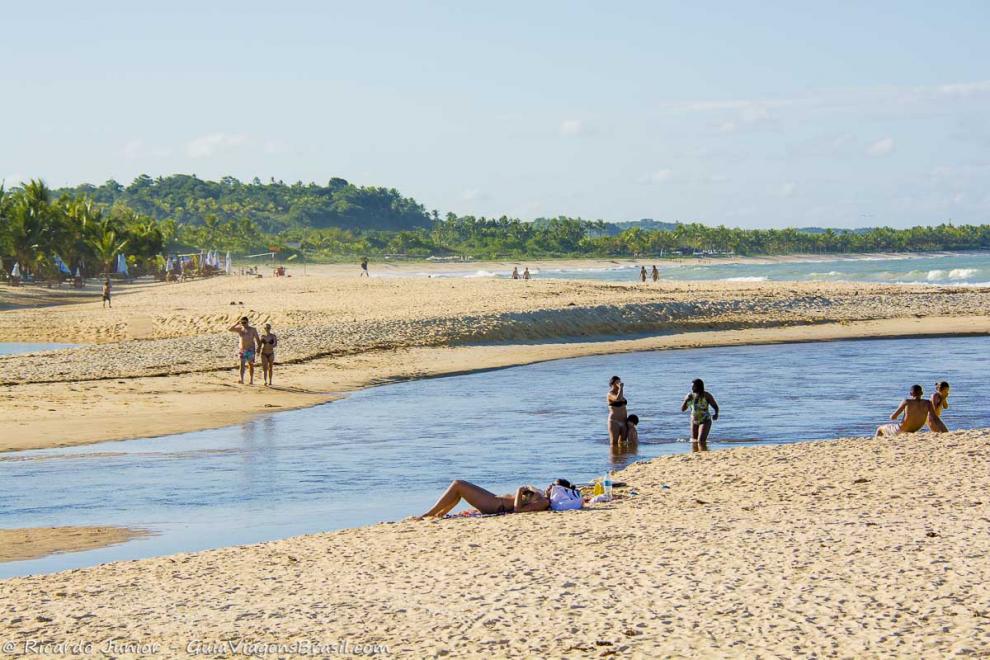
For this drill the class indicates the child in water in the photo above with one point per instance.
(940, 402)
(632, 435)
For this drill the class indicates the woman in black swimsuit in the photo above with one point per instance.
(616, 399)
(268, 342)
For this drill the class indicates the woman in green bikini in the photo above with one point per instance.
(701, 404)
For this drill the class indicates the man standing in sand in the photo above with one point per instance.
(916, 411)
(106, 294)
(364, 268)
(250, 340)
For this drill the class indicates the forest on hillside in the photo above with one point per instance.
(86, 227)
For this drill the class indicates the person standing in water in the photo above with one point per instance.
(616, 400)
(268, 342)
(106, 294)
(248, 346)
(515, 272)
(701, 404)
(656, 273)
(917, 412)
(642, 274)
(940, 402)
(364, 267)
(526, 273)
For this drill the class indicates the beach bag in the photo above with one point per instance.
(563, 498)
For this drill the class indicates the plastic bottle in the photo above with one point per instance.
(597, 490)
(607, 482)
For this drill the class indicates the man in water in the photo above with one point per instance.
(526, 273)
(642, 273)
(916, 411)
(250, 340)
(656, 273)
(515, 272)
(364, 268)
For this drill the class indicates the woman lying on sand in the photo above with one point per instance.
(526, 498)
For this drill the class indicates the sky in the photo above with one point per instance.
(750, 114)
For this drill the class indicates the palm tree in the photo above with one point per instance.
(106, 246)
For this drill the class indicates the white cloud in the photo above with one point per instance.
(473, 195)
(212, 144)
(965, 89)
(572, 127)
(881, 147)
(133, 148)
(275, 147)
(658, 176)
(787, 189)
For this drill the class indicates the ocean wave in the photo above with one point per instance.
(962, 273)
(748, 278)
(481, 273)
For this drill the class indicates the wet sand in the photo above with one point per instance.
(34, 542)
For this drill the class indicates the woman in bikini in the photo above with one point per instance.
(701, 403)
(616, 400)
(268, 343)
(940, 402)
(527, 498)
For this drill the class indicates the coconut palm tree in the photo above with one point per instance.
(106, 246)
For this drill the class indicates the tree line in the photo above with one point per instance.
(87, 227)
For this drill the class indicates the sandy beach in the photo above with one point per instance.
(161, 361)
(852, 548)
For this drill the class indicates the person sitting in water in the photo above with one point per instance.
(632, 435)
(527, 498)
(916, 413)
(940, 402)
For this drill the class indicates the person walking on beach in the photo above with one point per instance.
(916, 413)
(642, 274)
(106, 294)
(526, 273)
(247, 347)
(616, 399)
(940, 402)
(515, 272)
(701, 403)
(268, 342)
(656, 273)
(364, 268)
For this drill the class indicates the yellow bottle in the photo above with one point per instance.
(598, 489)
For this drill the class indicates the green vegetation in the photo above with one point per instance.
(88, 226)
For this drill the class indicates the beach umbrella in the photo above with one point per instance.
(122, 264)
(228, 265)
(17, 270)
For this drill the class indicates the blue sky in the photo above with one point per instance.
(752, 114)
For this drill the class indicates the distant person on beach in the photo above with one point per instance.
(106, 294)
(916, 413)
(616, 400)
(632, 435)
(248, 346)
(526, 273)
(656, 273)
(701, 404)
(527, 498)
(364, 267)
(515, 272)
(940, 402)
(268, 342)
(642, 273)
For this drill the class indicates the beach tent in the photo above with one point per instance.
(62, 268)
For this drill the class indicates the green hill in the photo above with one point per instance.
(272, 206)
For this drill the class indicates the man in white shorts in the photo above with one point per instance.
(916, 411)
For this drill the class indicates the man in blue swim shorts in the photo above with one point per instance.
(250, 341)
